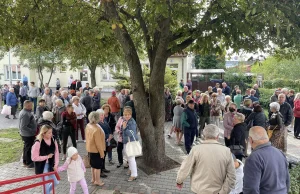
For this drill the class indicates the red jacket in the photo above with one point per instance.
(114, 104)
(296, 109)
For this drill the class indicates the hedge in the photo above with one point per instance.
(265, 95)
(282, 83)
(295, 180)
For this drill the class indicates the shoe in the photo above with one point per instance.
(15, 118)
(119, 165)
(7, 117)
(131, 179)
(105, 170)
(63, 158)
(111, 162)
(169, 136)
(102, 175)
(289, 131)
(99, 184)
(30, 166)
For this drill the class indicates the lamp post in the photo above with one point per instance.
(10, 69)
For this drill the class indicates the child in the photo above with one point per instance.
(239, 174)
(76, 170)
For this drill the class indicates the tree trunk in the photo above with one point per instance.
(150, 123)
(92, 68)
(41, 76)
(51, 73)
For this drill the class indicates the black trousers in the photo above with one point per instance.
(120, 152)
(297, 127)
(103, 166)
(28, 143)
(66, 132)
(22, 98)
(189, 136)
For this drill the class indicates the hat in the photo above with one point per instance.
(72, 151)
(191, 102)
(113, 93)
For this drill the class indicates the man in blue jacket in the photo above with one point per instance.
(266, 169)
(226, 89)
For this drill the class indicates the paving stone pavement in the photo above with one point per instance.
(161, 183)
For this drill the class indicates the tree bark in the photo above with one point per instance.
(92, 68)
(51, 73)
(151, 127)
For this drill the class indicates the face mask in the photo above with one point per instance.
(231, 109)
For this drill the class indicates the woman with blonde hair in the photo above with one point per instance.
(95, 146)
(296, 111)
(227, 103)
(45, 155)
(129, 129)
(215, 110)
(204, 113)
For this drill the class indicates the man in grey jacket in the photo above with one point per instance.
(266, 169)
(27, 126)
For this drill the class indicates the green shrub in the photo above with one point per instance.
(295, 180)
(265, 95)
(268, 84)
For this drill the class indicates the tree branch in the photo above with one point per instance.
(36, 6)
(125, 13)
(181, 46)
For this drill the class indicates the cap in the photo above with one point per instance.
(191, 102)
(113, 93)
(72, 151)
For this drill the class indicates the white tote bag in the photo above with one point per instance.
(6, 110)
(133, 148)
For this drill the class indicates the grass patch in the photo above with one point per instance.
(11, 150)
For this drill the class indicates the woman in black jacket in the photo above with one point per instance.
(257, 117)
(237, 136)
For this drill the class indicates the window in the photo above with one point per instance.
(106, 72)
(173, 66)
(15, 72)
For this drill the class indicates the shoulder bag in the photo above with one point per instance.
(133, 148)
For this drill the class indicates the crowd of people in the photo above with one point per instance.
(46, 125)
(197, 116)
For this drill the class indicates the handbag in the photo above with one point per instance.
(237, 150)
(113, 143)
(270, 132)
(86, 161)
(6, 110)
(133, 148)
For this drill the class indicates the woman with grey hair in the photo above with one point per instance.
(177, 127)
(211, 131)
(237, 136)
(277, 138)
(96, 99)
(95, 146)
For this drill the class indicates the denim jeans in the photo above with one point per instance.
(34, 100)
(109, 155)
(48, 187)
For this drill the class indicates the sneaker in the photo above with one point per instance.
(102, 175)
(63, 158)
(119, 165)
(111, 162)
(105, 170)
(131, 179)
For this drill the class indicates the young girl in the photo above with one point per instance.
(76, 170)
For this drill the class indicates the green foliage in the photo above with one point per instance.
(265, 95)
(295, 180)
(237, 74)
(282, 83)
(209, 62)
(273, 68)
(170, 80)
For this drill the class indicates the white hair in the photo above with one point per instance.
(94, 117)
(219, 89)
(11, 89)
(47, 115)
(281, 95)
(48, 89)
(211, 131)
(101, 111)
(74, 98)
(256, 136)
(179, 93)
(284, 90)
(275, 105)
(64, 92)
(59, 101)
(96, 89)
(240, 117)
(228, 97)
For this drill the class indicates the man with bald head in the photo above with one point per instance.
(266, 169)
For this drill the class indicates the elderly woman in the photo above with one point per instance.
(108, 136)
(120, 143)
(54, 98)
(257, 117)
(246, 109)
(129, 129)
(12, 100)
(237, 136)
(228, 123)
(69, 126)
(238, 99)
(209, 91)
(96, 98)
(296, 111)
(80, 112)
(227, 103)
(215, 109)
(177, 127)
(179, 96)
(46, 119)
(65, 98)
(45, 155)
(95, 146)
(220, 96)
(110, 119)
(204, 113)
(46, 96)
(168, 105)
(276, 126)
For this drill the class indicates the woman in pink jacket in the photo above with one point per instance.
(45, 155)
(297, 116)
(120, 142)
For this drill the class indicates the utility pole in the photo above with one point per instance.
(10, 69)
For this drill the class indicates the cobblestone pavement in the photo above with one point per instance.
(161, 183)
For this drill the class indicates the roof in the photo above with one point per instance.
(206, 71)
